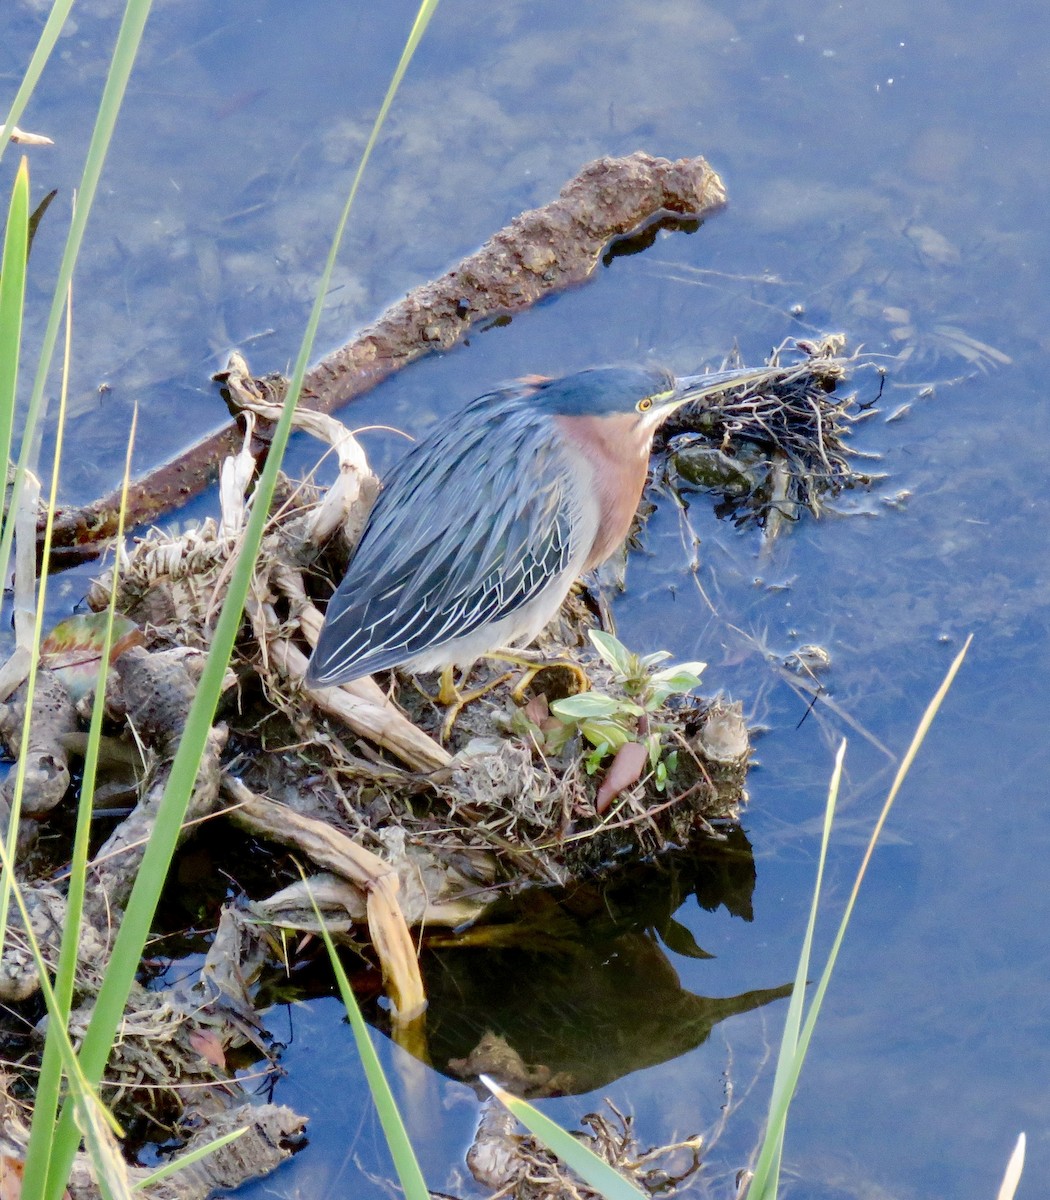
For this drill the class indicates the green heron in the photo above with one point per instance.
(482, 529)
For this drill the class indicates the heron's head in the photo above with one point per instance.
(649, 393)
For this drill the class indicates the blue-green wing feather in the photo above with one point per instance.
(469, 528)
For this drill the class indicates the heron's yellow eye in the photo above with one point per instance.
(645, 404)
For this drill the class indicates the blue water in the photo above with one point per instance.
(886, 172)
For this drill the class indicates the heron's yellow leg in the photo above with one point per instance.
(454, 700)
(448, 692)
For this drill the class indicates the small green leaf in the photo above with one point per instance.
(682, 677)
(652, 745)
(612, 650)
(594, 760)
(660, 692)
(555, 739)
(606, 733)
(584, 705)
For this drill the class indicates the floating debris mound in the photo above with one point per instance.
(509, 1164)
(602, 757)
(519, 786)
(772, 450)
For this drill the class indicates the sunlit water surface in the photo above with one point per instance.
(887, 173)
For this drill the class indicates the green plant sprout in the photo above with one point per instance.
(608, 721)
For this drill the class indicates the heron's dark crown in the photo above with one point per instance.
(599, 391)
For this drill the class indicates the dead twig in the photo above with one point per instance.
(333, 850)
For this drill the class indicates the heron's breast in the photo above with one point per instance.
(614, 458)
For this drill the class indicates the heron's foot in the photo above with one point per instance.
(454, 700)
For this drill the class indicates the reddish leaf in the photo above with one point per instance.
(536, 710)
(207, 1044)
(72, 649)
(625, 769)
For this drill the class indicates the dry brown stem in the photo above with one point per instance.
(361, 705)
(332, 850)
(381, 724)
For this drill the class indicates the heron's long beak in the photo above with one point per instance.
(695, 387)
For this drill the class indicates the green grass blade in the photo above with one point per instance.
(49, 1083)
(902, 772)
(38, 633)
(767, 1168)
(415, 36)
(591, 1169)
(49, 35)
(91, 1114)
(12, 297)
(405, 1161)
(777, 1120)
(15, 254)
(135, 927)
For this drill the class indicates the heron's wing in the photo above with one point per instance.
(466, 531)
